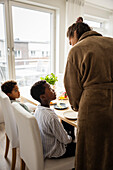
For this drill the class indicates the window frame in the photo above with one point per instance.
(9, 33)
(97, 19)
(17, 53)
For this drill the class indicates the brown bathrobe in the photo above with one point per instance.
(88, 82)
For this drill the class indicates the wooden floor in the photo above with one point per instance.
(5, 164)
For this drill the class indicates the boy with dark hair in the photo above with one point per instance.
(8, 86)
(55, 140)
(11, 89)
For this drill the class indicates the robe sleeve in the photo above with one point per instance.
(72, 83)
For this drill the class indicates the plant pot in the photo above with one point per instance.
(53, 86)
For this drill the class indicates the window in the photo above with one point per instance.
(3, 53)
(32, 37)
(96, 24)
(46, 53)
(33, 53)
(26, 39)
(42, 53)
(93, 24)
(18, 54)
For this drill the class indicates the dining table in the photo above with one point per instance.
(26, 97)
(61, 113)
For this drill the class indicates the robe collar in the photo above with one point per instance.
(88, 34)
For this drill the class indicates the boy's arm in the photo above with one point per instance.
(59, 131)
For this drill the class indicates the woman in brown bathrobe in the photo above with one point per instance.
(88, 82)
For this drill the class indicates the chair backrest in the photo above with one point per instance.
(1, 114)
(31, 150)
(9, 119)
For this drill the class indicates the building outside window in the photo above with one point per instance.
(0, 53)
(33, 53)
(46, 53)
(42, 53)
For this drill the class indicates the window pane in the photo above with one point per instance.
(31, 44)
(3, 57)
(93, 24)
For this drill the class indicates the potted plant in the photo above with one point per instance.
(50, 78)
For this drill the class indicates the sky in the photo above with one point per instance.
(28, 25)
(31, 25)
(1, 23)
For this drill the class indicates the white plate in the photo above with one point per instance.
(70, 114)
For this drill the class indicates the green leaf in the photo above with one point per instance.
(51, 79)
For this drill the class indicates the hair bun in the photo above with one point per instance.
(79, 19)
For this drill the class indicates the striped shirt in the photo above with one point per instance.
(54, 137)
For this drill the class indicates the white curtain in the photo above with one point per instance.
(111, 25)
(74, 9)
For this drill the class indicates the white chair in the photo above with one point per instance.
(10, 127)
(1, 114)
(31, 151)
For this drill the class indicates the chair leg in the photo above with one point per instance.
(22, 164)
(13, 158)
(7, 146)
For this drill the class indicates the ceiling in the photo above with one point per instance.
(103, 3)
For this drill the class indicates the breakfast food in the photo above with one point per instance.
(59, 105)
(63, 96)
(53, 102)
